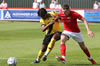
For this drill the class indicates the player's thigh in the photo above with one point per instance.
(65, 35)
(47, 39)
(57, 35)
(64, 38)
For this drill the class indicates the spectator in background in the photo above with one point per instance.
(99, 5)
(35, 4)
(96, 5)
(42, 5)
(3, 5)
(54, 1)
(38, 1)
(52, 4)
(57, 6)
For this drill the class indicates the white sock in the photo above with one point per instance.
(46, 54)
(38, 59)
(90, 57)
(64, 57)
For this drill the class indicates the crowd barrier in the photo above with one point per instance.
(29, 14)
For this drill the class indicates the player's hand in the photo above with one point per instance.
(91, 34)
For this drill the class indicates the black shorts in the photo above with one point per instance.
(47, 38)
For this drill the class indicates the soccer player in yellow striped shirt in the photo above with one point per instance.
(50, 25)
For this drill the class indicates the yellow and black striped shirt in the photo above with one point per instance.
(53, 28)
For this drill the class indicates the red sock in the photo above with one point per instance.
(87, 52)
(62, 49)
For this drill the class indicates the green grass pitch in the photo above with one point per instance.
(23, 40)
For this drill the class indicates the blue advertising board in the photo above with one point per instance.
(22, 14)
(92, 15)
(0, 14)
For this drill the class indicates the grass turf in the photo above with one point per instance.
(23, 40)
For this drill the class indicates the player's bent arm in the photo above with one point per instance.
(44, 27)
(90, 33)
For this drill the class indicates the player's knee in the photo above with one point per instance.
(56, 36)
(63, 40)
(44, 49)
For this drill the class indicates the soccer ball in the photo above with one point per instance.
(12, 61)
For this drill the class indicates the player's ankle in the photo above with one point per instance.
(38, 59)
(63, 57)
(90, 57)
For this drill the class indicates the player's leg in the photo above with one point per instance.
(86, 51)
(78, 37)
(64, 38)
(40, 53)
(43, 49)
(50, 47)
(55, 37)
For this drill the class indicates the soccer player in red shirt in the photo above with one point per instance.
(71, 30)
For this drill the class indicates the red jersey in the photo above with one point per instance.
(70, 21)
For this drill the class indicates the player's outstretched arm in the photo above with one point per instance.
(90, 33)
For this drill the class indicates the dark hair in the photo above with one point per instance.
(65, 6)
(42, 12)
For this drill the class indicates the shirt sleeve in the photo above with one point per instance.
(78, 16)
(42, 22)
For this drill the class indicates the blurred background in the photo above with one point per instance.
(72, 3)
